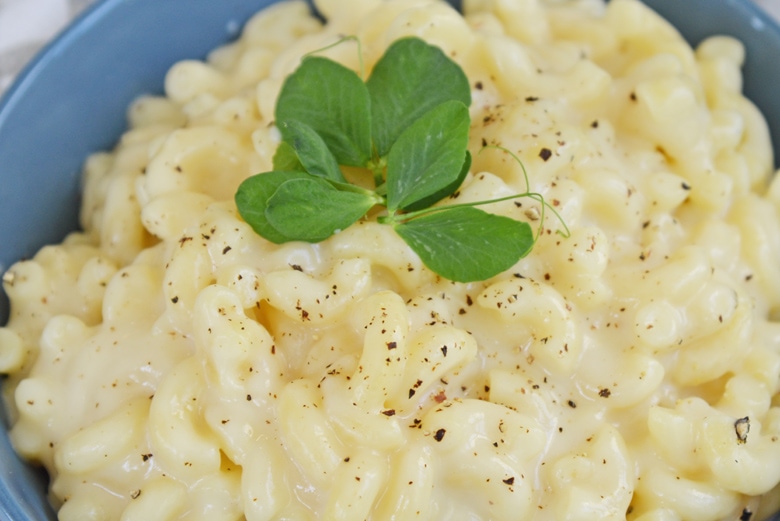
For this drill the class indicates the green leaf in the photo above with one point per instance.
(311, 209)
(286, 160)
(312, 151)
(333, 101)
(252, 200)
(409, 80)
(428, 156)
(465, 244)
(444, 192)
(409, 125)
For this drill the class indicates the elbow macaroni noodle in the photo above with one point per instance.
(168, 363)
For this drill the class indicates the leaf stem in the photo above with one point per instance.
(348, 187)
(517, 159)
(395, 219)
(341, 40)
(566, 233)
(377, 167)
(432, 209)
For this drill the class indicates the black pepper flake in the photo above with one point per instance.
(249, 397)
(146, 457)
(440, 434)
(685, 186)
(531, 99)
(572, 404)
(594, 124)
(605, 393)
(296, 267)
(746, 515)
(444, 350)
(175, 300)
(135, 493)
(478, 85)
(742, 428)
(632, 96)
(392, 345)
(412, 392)
(509, 481)
(226, 249)
(484, 142)
(389, 412)
(545, 154)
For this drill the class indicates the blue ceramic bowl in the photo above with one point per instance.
(71, 101)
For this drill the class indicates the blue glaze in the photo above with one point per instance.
(71, 101)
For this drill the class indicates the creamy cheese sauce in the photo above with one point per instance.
(168, 363)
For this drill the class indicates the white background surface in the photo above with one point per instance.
(26, 25)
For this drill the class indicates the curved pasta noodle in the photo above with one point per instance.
(265, 492)
(435, 354)
(308, 435)
(106, 439)
(358, 481)
(596, 482)
(205, 159)
(302, 297)
(689, 498)
(462, 428)
(554, 335)
(237, 348)
(411, 483)
(385, 351)
(162, 498)
(178, 437)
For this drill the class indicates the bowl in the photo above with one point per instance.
(71, 101)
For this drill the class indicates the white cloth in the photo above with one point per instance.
(26, 25)
(770, 6)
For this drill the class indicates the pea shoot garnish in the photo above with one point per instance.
(407, 126)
